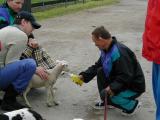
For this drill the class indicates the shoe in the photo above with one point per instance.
(10, 106)
(133, 112)
(100, 106)
(9, 101)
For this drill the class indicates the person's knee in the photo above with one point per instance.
(30, 64)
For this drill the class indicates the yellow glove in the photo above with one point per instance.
(76, 79)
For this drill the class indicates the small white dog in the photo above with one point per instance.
(21, 114)
(37, 82)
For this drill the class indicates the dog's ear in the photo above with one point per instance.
(36, 115)
(4, 117)
(64, 62)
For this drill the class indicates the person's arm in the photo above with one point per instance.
(91, 72)
(27, 53)
(3, 23)
(50, 62)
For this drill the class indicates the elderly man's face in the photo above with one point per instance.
(101, 43)
(15, 5)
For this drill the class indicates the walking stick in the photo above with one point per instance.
(105, 108)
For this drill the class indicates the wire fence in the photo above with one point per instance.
(34, 5)
(31, 5)
(50, 2)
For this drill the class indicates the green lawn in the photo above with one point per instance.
(33, 1)
(62, 10)
(59, 11)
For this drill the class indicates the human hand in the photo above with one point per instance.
(42, 73)
(106, 92)
(32, 43)
(109, 91)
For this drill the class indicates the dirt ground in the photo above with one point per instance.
(69, 38)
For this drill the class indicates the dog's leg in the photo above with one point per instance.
(53, 96)
(49, 95)
(25, 96)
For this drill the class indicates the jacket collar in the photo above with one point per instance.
(114, 41)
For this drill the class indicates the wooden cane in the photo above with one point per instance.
(105, 108)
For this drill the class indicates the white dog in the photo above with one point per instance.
(21, 114)
(37, 82)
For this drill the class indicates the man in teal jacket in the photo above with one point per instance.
(120, 78)
(8, 11)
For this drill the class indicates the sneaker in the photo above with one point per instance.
(133, 112)
(111, 107)
(100, 106)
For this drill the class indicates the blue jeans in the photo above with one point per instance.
(156, 87)
(18, 74)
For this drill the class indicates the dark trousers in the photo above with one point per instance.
(125, 100)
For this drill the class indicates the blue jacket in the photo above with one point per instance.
(7, 16)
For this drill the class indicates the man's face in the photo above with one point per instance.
(101, 43)
(15, 5)
(27, 26)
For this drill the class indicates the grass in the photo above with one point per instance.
(62, 10)
(33, 1)
(59, 11)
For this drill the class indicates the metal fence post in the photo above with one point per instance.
(27, 5)
(66, 3)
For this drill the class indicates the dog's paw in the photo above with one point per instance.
(56, 103)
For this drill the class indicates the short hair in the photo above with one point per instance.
(17, 21)
(101, 32)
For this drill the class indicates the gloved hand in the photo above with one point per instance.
(76, 79)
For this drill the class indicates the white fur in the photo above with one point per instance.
(21, 114)
(37, 82)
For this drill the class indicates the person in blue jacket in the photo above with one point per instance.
(120, 78)
(8, 11)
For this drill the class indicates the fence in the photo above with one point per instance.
(43, 3)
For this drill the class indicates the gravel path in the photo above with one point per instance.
(68, 37)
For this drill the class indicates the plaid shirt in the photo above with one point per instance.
(39, 55)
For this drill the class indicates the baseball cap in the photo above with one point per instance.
(29, 17)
